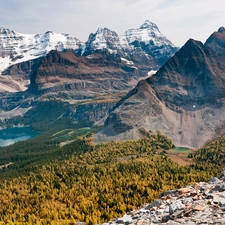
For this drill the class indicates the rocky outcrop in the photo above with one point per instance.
(200, 203)
(93, 112)
(185, 99)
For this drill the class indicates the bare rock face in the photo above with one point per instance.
(184, 99)
(200, 203)
(65, 71)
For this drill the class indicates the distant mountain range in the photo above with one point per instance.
(145, 48)
(185, 99)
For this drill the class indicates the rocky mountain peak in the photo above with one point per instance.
(7, 32)
(200, 203)
(145, 43)
(221, 30)
(147, 33)
(216, 42)
(103, 38)
(105, 31)
(49, 32)
(149, 25)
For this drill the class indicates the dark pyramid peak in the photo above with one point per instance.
(194, 74)
(193, 43)
(216, 42)
(190, 57)
(192, 49)
(221, 30)
(149, 25)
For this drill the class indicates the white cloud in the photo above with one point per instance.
(178, 20)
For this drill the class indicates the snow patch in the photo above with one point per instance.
(151, 72)
(127, 61)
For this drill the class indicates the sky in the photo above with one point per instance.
(178, 20)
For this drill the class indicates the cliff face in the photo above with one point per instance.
(200, 203)
(96, 112)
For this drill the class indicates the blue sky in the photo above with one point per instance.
(178, 20)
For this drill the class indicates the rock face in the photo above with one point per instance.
(200, 203)
(83, 77)
(185, 99)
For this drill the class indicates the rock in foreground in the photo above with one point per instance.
(200, 203)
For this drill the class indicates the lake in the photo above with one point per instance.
(9, 136)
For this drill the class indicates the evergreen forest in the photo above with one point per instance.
(49, 183)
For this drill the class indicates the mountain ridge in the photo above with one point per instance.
(184, 99)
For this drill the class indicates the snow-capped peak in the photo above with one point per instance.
(17, 47)
(103, 38)
(147, 38)
(147, 33)
(149, 25)
(7, 32)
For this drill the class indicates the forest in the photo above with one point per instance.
(83, 182)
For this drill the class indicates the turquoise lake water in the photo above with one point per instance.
(11, 135)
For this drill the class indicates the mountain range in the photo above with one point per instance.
(96, 73)
(184, 99)
(145, 48)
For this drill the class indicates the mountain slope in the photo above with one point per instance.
(64, 71)
(95, 82)
(184, 99)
